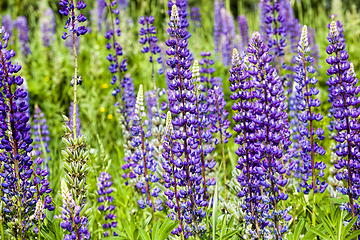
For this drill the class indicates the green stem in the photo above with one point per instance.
(313, 211)
(2, 230)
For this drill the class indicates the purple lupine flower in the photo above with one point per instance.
(41, 133)
(244, 30)
(150, 100)
(314, 47)
(105, 199)
(78, 123)
(272, 132)
(343, 94)
(18, 183)
(144, 165)
(290, 24)
(100, 12)
(72, 221)
(123, 4)
(182, 6)
(212, 109)
(8, 24)
(68, 9)
(250, 166)
(206, 72)
(188, 162)
(273, 29)
(23, 34)
(47, 27)
(125, 88)
(149, 39)
(218, 4)
(306, 104)
(228, 33)
(195, 17)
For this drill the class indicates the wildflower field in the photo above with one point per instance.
(179, 119)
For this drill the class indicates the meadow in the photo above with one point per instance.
(179, 119)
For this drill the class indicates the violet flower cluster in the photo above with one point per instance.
(195, 18)
(47, 27)
(228, 34)
(218, 4)
(140, 165)
(8, 24)
(273, 28)
(149, 38)
(186, 163)
(23, 34)
(41, 133)
(69, 8)
(18, 179)
(105, 199)
(244, 30)
(306, 104)
(182, 6)
(343, 94)
(253, 81)
(73, 221)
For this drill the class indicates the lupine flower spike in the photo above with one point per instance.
(145, 166)
(41, 133)
(185, 145)
(343, 94)
(306, 104)
(105, 199)
(47, 27)
(19, 181)
(273, 133)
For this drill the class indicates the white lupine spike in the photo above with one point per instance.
(235, 58)
(196, 69)
(39, 210)
(174, 13)
(333, 29)
(139, 106)
(351, 70)
(169, 126)
(304, 40)
(256, 35)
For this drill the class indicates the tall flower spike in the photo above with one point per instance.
(23, 34)
(272, 133)
(144, 165)
(343, 94)
(273, 29)
(149, 38)
(218, 4)
(244, 30)
(18, 179)
(242, 88)
(75, 215)
(41, 133)
(105, 199)
(306, 105)
(47, 27)
(228, 35)
(185, 145)
(195, 18)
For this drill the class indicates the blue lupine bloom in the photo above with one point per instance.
(306, 103)
(343, 94)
